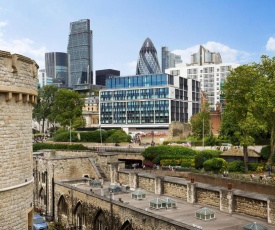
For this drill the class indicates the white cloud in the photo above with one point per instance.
(23, 46)
(130, 68)
(270, 45)
(228, 54)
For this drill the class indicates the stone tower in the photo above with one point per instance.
(18, 93)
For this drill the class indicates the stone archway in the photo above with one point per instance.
(62, 210)
(42, 199)
(100, 221)
(126, 226)
(79, 217)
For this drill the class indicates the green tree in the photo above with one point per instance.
(45, 100)
(200, 122)
(265, 97)
(67, 107)
(238, 121)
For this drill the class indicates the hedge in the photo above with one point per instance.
(204, 155)
(39, 146)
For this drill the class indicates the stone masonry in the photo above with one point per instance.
(18, 93)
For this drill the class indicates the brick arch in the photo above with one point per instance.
(62, 210)
(100, 221)
(126, 226)
(79, 216)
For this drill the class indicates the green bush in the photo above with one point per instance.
(167, 152)
(235, 166)
(253, 166)
(65, 136)
(118, 136)
(204, 155)
(210, 140)
(215, 164)
(265, 152)
(39, 146)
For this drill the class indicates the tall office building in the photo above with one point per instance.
(57, 68)
(205, 57)
(168, 59)
(148, 101)
(102, 75)
(80, 49)
(148, 60)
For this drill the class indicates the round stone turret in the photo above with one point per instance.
(18, 93)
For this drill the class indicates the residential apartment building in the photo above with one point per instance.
(80, 49)
(207, 68)
(43, 79)
(168, 59)
(148, 101)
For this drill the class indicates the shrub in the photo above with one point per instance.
(214, 164)
(39, 146)
(236, 166)
(65, 136)
(118, 136)
(265, 152)
(166, 152)
(253, 166)
(204, 155)
(259, 169)
(170, 162)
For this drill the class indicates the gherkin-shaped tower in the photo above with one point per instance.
(148, 60)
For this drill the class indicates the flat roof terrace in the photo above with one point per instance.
(183, 213)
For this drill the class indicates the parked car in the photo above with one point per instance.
(39, 223)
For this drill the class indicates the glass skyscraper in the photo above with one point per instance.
(80, 49)
(148, 60)
(168, 59)
(57, 68)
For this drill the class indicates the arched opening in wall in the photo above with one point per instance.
(100, 221)
(62, 210)
(126, 226)
(42, 198)
(131, 163)
(79, 215)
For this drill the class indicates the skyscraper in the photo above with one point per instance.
(80, 49)
(148, 60)
(57, 67)
(168, 59)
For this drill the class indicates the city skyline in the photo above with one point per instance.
(239, 31)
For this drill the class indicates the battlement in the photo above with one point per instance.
(18, 77)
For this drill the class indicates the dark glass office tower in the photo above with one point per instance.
(102, 75)
(57, 68)
(148, 60)
(80, 49)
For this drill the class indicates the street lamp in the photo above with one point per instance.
(203, 132)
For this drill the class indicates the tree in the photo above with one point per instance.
(265, 98)
(45, 99)
(238, 120)
(67, 107)
(200, 122)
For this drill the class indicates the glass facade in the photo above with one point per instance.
(57, 67)
(147, 99)
(139, 81)
(80, 50)
(148, 60)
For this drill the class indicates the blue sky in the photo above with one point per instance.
(241, 30)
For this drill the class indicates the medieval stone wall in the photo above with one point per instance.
(18, 93)
(174, 189)
(208, 197)
(88, 207)
(250, 206)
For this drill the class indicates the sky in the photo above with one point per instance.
(241, 30)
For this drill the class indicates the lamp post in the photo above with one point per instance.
(100, 135)
(203, 132)
(70, 132)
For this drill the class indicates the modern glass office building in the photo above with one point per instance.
(148, 100)
(57, 68)
(80, 49)
(148, 59)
